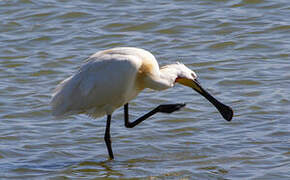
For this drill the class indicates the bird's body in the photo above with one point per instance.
(112, 78)
(106, 82)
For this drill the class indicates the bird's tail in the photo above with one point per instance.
(60, 97)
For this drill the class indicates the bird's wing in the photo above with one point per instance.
(101, 81)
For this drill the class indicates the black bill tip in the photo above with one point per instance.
(227, 112)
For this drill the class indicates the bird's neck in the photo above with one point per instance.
(163, 80)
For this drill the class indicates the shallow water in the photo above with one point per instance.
(239, 49)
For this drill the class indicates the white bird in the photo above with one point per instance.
(112, 78)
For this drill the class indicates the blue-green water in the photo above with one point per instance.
(239, 48)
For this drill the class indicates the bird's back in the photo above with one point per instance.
(105, 82)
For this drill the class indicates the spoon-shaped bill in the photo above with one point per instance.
(225, 110)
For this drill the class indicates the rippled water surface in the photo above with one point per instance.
(239, 48)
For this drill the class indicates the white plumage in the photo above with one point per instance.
(109, 79)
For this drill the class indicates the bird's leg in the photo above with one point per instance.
(163, 108)
(108, 137)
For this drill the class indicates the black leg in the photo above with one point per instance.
(163, 108)
(108, 137)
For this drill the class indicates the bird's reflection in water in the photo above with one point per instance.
(101, 168)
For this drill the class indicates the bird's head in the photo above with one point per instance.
(187, 77)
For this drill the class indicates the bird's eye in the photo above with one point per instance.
(193, 75)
